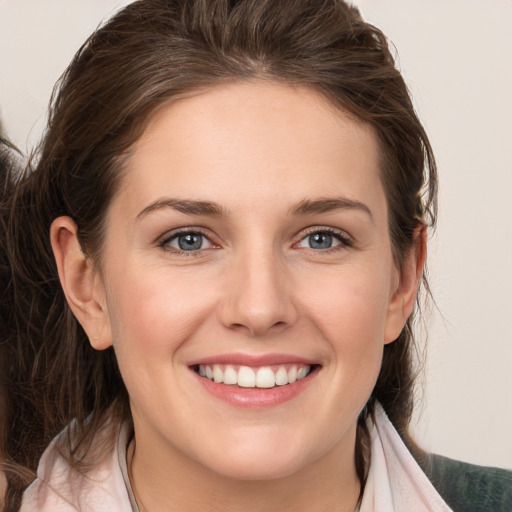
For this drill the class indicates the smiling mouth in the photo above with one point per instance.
(265, 377)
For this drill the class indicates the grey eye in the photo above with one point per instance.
(319, 240)
(189, 242)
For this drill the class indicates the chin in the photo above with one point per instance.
(261, 470)
(260, 461)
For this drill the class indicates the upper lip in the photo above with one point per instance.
(254, 360)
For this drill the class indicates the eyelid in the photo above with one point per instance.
(164, 240)
(342, 236)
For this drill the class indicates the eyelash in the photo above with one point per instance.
(345, 241)
(341, 236)
(164, 243)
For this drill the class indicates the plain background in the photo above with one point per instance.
(456, 56)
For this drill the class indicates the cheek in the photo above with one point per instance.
(153, 312)
(349, 308)
(350, 305)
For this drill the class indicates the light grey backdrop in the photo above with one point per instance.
(456, 56)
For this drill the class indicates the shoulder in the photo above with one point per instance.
(471, 488)
(60, 486)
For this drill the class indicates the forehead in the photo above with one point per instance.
(252, 142)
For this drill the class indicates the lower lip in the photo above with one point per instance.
(256, 397)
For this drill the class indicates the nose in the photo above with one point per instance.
(257, 298)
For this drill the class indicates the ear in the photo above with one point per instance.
(81, 283)
(409, 277)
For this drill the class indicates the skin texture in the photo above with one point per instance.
(256, 287)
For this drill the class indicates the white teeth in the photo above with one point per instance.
(230, 375)
(281, 376)
(218, 374)
(265, 378)
(302, 373)
(246, 377)
(292, 374)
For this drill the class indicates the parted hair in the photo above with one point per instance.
(147, 54)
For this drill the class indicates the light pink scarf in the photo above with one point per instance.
(395, 481)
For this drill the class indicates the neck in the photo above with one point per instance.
(330, 483)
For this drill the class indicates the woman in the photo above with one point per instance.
(213, 264)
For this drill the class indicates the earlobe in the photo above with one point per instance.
(404, 296)
(80, 282)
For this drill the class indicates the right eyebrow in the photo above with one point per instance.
(187, 206)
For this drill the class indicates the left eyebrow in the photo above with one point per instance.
(187, 206)
(329, 204)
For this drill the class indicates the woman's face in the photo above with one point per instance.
(249, 240)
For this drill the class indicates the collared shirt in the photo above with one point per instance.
(395, 481)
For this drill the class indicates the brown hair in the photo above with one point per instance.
(150, 52)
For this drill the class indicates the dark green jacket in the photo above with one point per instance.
(470, 488)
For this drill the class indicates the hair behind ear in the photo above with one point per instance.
(49, 373)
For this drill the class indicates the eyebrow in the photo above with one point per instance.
(187, 206)
(212, 209)
(329, 204)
